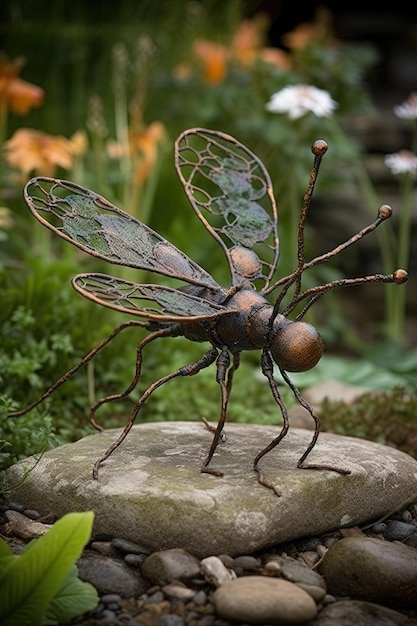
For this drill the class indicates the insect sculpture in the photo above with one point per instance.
(231, 193)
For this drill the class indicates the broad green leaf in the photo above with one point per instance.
(73, 598)
(5, 564)
(5, 551)
(353, 372)
(6, 559)
(35, 576)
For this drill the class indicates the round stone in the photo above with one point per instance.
(127, 547)
(398, 531)
(248, 563)
(164, 566)
(348, 612)
(215, 572)
(263, 600)
(151, 492)
(317, 593)
(109, 575)
(179, 592)
(372, 569)
(295, 572)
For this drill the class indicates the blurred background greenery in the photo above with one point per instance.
(97, 93)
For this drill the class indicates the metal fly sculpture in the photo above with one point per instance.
(231, 193)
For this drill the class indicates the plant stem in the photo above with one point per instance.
(294, 200)
(406, 189)
(385, 236)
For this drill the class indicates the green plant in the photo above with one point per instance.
(159, 86)
(7, 456)
(385, 367)
(388, 417)
(40, 586)
(24, 437)
(211, 76)
(298, 102)
(35, 350)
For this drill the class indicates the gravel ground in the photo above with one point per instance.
(174, 588)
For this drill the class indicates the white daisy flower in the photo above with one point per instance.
(408, 109)
(298, 100)
(402, 162)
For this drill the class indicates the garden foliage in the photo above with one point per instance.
(40, 585)
(100, 99)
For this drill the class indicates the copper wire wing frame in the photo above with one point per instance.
(231, 193)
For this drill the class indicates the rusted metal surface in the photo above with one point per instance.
(231, 193)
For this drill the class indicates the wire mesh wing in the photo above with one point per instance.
(231, 192)
(154, 302)
(96, 226)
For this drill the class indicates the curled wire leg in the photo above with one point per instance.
(222, 363)
(65, 377)
(188, 370)
(164, 332)
(229, 382)
(212, 429)
(267, 370)
(309, 408)
(231, 370)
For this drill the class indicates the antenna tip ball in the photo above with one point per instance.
(384, 212)
(319, 147)
(400, 277)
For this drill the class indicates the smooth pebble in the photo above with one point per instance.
(263, 600)
(215, 572)
(371, 569)
(398, 531)
(348, 612)
(165, 566)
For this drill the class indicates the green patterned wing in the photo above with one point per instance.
(90, 222)
(155, 302)
(231, 192)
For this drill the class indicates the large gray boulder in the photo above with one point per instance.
(150, 490)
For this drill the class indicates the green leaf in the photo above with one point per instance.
(349, 371)
(73, 598)
(6, 559)
(5, 551)
(35, 576)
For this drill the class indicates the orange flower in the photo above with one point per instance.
(79, 143)
(248, 44)
(250, 33)
(142, 148)
(306, 32)
(246, 47)
(276, 57)
(15, 94)
(145, 146)
(213, 59)
(31, 150)
(248, 39)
